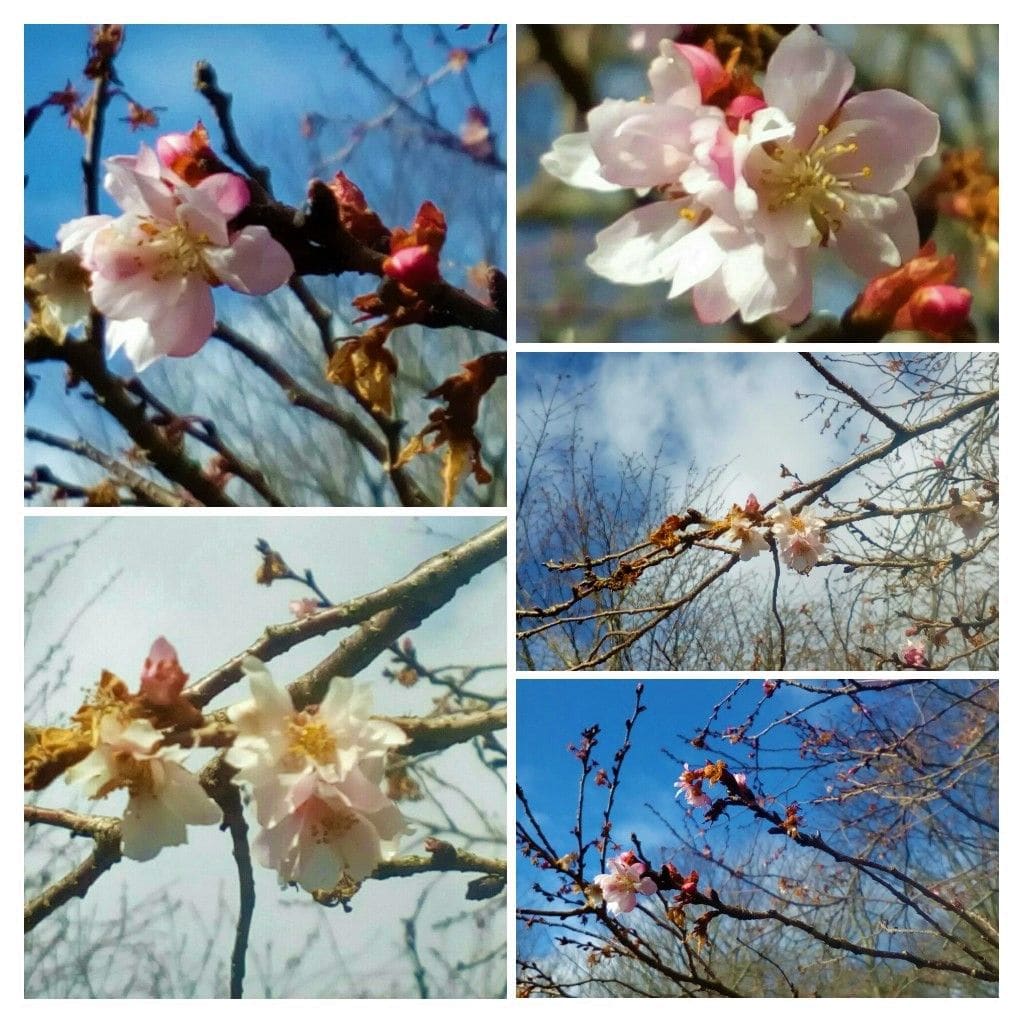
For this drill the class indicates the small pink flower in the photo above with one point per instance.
(913, 655)
(304, 607)
(769, 686)
(152, 268)
(414, 266)
(623, 883)
(690, 784)
(162, 677)
(801, 537)
(752, 505)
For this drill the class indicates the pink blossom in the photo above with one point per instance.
(745, 195)
(913, 655)
(742, 531)
(801, 537)
(162, 676)
(304, 607)
(316, 776)
(163, 796)
(622, 884)
(152, 268)
(691, 785)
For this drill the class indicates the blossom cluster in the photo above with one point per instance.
(746, 181)
(316, 778)
(316, 774)
(800, 536)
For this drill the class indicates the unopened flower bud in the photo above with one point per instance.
(414, 267)
(939, 309)
(162, 676)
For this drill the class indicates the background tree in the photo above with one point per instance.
(635, 566)
(829, 838)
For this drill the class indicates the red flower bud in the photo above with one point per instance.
(414, 267)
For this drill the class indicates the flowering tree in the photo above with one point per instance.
(834, 838)
(884, 559)
(308, 783)
(756, 147)
(194, 216)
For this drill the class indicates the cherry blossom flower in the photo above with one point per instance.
(622, 884)
(163, 796)
(801, 537)
(913, 654)
(316, 776)
(742, 530)
(57, 289)
(153, 267)
(690, 784)
(968, 515)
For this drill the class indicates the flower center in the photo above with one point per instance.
(312, 739)
(803, 177)
(178, 253)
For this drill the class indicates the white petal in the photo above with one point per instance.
(640, 246)
(571, 159)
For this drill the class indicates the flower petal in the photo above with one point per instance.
(183, 329)
(640, 247)
(893, 133)
(572, 159)
(807, 78)
(254, 263)
(641, 144)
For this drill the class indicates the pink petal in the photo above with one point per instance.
(880, 233)
(641, 145)
(254, 263)
(124, 298)
(671, 77)
(572, 159)
(185, 328)
(228, 191)
(697, 257)
(894, 133)
(201, 217)
(807, 78)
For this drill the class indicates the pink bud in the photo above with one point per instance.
(162, 676)
(304, 607)
(769, 686)
(940, 308)
(939, 463)
(752, 504)
(913, 656)
(910, 631)
(408, 646)
(707, 68)
(414, 266)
